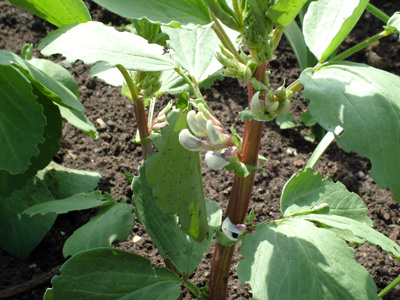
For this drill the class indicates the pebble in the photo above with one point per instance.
(291, 151)
(101, 123)
(65, 64)
(97, 150)
(360, 175)
(136, 239)
(111, 123)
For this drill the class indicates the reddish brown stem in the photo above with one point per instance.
(141, 121)
(239, 199)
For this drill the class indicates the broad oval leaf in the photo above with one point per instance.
(109, 274)
(366, 102)
(93, 42)
(307, 191)
(177, 13)
(328, 22)
(296, 260)
(195, 50)
(164, 229)
(19, 233)
(56, 12)
(113, 222)
(22, 121)
(174, 174)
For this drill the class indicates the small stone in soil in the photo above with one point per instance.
(291, 151)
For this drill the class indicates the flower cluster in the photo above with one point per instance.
(206, 133)
(276, 103)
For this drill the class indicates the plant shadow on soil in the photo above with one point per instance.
(114, 154)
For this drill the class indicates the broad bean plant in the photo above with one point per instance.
(179, 47)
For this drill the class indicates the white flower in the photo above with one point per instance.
(215, 160)
(192, 143)
(230, 230)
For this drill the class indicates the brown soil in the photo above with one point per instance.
(114, 154)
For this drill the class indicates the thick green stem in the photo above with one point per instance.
(223, 37)
(239, 199)
(139, 111)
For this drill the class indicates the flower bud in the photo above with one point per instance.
(215, 160)
(201, 120)
(208, 115)
(193, 126)
(191, 143)
(271, 106)
(222, 59)
(283, 108)
(226, 52)
(255, 104)
(270, 95)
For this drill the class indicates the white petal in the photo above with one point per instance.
(215, 161)
(230, 230)
(213, 135)
(190, 142)
(193, 126)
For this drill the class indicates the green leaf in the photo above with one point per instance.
(286, 122)
(19, 233)
(93, 42)
(164, 229)
(56, 12)
(113, 222)
(172, 83)
(52, 134)
(22, 121)
(56, 72)
(48, 86)
(195, 50)
(307, 119)
(247, 115)
(241, 169)
(307, 191)
(296, 260)
(328, 22)
(295, 38)
(366, 102)
(65, 182)
(75, 202)
(108, 74)
(79, 120)
(109, 274)
(360, 230)
(283, 12)
(184, 13)
(394, 21)
(224, 12)
(174, 173)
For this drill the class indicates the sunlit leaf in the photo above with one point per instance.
(365, 101)
(296, 260)
(93, 42)
(57, 12)
(328, 22)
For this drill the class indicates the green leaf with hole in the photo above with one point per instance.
(65, 182)
(365, 101)
(296, 260)
(93, 42)
(174, 174)
(19, 233)
(195, 50)
(328, 22)
(358, 229)
(113, 222)
(164, 229)
(56, 12)
(22, 121)
(75, 202)
(305, 192)
(109, 274)
(177, 13)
